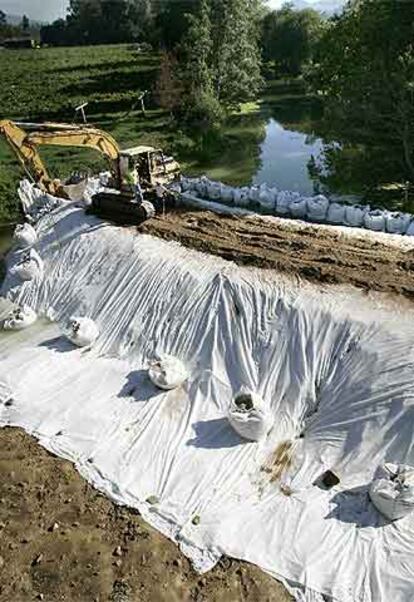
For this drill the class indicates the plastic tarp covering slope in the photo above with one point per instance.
(334, 368)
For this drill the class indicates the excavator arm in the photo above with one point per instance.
(24, 138)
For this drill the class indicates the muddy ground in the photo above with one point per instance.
(317, 254)
(62, 540)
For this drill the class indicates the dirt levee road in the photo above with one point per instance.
(325, 255)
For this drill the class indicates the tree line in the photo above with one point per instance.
(9, 30)
(215, 54)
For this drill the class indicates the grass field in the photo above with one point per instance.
(47, 84)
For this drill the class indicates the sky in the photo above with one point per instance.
(48, 10)
(40, 10)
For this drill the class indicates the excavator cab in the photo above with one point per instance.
(148, 167)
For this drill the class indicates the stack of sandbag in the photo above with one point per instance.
(375, 220)
(284, 200)
(392, 492)
(249, 417)
(24, 236)
(29, 267)
(397, 223)
(317, 208)
(227, 195)
(336, 213)
(20, 318)
(354, 215)
(82, 332)
(167, 372)
(267, 198)
(298, 208)
(241, 197)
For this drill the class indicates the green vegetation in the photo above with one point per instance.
(47, 84)
(289, 39)
(364, 73)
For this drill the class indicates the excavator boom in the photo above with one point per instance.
(25, 137)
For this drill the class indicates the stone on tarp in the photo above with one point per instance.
(20, 318)
(392, 492)
(82, 332)
(167, 372)
(24, 236)
(29, 267)
(249, 416)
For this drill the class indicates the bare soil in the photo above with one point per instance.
(321, 255)
(62, 540)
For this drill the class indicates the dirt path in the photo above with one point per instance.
(322, 255)
(61, 540)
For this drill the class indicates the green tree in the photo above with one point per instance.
(236, 61)
(3, 18)
(365, 72)
(201, 106)
(25, 24)
(289, 38)
(171, 20)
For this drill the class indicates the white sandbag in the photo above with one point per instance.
(167, 372)
(176, 187)
(392, 493)
(375, 220)
(354, 215)
(105, 178)
(396, 222)
(410, 229)
(336, 213)
(284, 199)
(24, 236)
(30, 266)
(298, 207)
(200, 187)
(248, 416)
(186, 184)
(214, 191)
(227, 195)
(254, 193)
(82, 332)
(317, 208)
(36, 203)
(267, 200)
(241, 197)
(20, 318)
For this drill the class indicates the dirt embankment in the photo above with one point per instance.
(318, 254)
(62, 540)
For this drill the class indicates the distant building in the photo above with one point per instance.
(17, 43)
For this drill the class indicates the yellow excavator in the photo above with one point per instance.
(144, 169)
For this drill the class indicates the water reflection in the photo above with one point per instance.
(284, 158)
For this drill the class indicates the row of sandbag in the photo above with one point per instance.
(291, 204)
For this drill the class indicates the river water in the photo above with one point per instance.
(284, 158)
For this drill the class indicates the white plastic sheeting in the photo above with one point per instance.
(334, 370)
(285, 203)
(392, 492)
